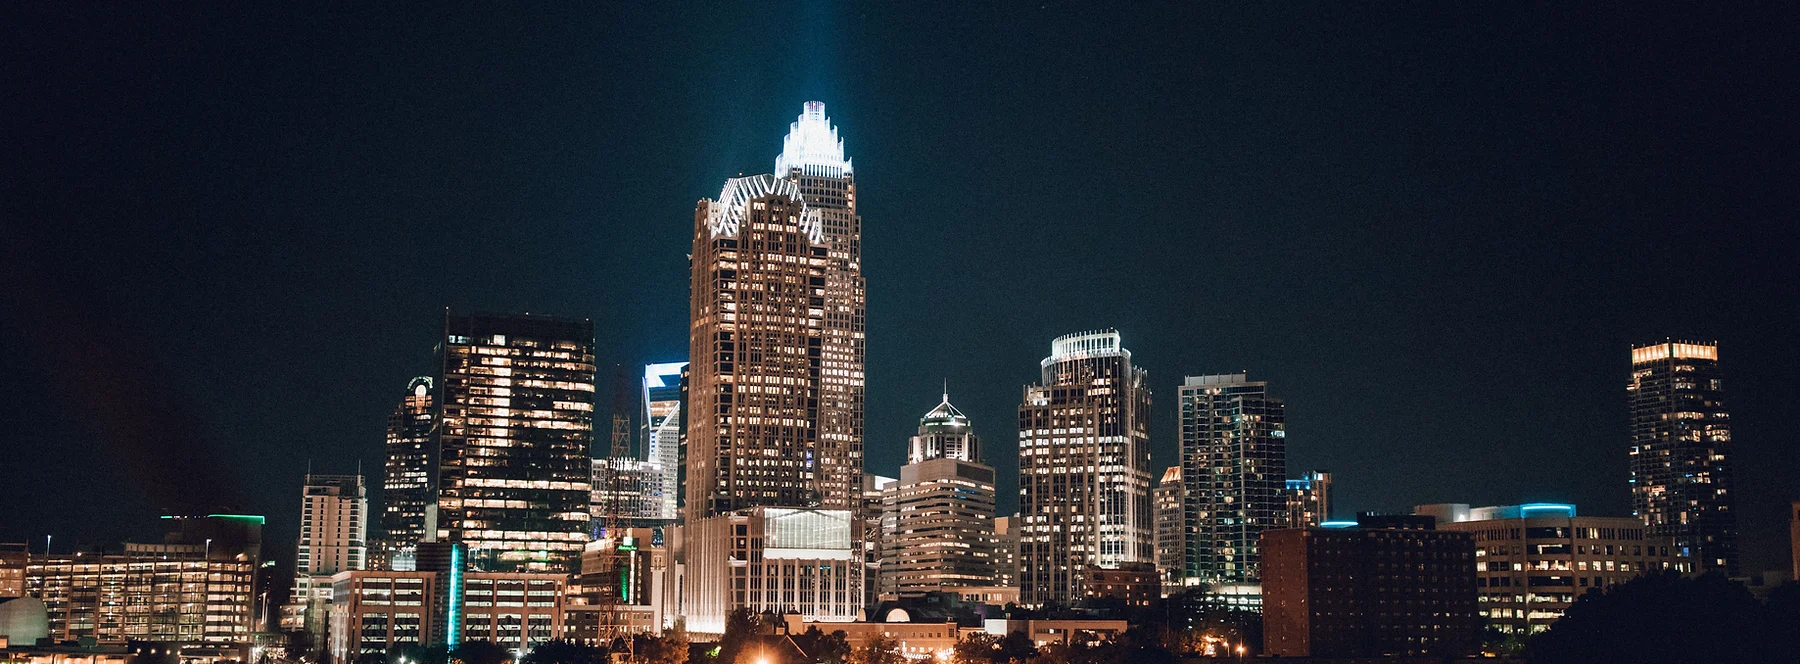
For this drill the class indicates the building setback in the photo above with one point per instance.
(1392, 586)
(406, 491)
(1533, 560)
(1681, 450)
(938, 524)
(1234, 462)
(514, 476)
(1084, 469)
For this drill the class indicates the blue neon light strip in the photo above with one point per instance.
(453, 632)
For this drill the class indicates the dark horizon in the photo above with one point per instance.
(232, 231)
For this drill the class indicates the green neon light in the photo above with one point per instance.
(453, 635)
(238, 517)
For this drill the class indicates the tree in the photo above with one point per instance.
(879, 650)
(1015, 648)
(740, 626)
(669, 648)
(480, 652)
(1661, 618)
(564, 652)
(976, 649)
(821, 647)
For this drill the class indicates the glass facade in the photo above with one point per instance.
(1234, 462)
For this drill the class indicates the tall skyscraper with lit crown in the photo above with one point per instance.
(774, 461)
(1681, 450)
(1084, 469)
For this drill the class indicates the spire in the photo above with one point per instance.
(812, 145)
(946, 390)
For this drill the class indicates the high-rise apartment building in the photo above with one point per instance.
(939, 532)
(1234, 461)
(406, 491)
(774, 447)
(662, 436)
(514, 478)
(1171, 531)
(334, 516)
(1084, 468)
(1308, 500)
(1681, 450)
(1006, 543)
(1533, 560)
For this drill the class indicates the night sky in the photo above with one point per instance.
(229, 232)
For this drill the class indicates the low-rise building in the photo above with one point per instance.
(1533, 560)
(1390, 586)
(374, 611)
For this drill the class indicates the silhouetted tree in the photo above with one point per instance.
(564, 652)
(1662, 618)
(669, 648)
(821, 647)
(480, 652)
(976, 649)
(879, 650)
(1015, 648)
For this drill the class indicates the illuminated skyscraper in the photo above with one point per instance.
(1308, 500)
(1084, 469)
(812, 157)
(1234, 461)
(1171, 530)
(406, 491)
(514, 475)
(939, 519)
(334, 517)
(662, 435)
(774, 450)
(1680, 450)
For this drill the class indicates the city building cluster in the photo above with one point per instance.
(734, 479)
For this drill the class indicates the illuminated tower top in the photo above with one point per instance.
(812, 145)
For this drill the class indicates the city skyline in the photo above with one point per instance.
(207, 334)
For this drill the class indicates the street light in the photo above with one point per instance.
(1240, 652)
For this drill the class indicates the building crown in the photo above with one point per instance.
(812, 146)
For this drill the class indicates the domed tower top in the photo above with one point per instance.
(944, 432)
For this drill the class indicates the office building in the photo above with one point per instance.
(377, 610)
(197, 586)
(514, 478)
(1681, 450)
(1533, 560)
(876, 524)
(1389, 586)
(617, 592)
(333, 519)
(1308, 500)
(663, 428)
(938, 530)
(625, 487)
(1084, 468)
(812, 159)
(1171, 532)
(775, 389)
(1234, 461)
(1006, 544)
(406, 491)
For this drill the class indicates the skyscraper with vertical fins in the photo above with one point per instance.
(775, 399)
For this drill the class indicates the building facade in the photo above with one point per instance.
(334, 517)
(1681, 484)
(375, 611)
(1171, 532)
(1308, 500)
(1388, 587)
(775, 384)
(662, 436)
(1006, 545)
(514, 479)
(197, 586)
(1234, 462)
(1084, 468)
(1533, 560)
(938, 523)
(406, 490)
